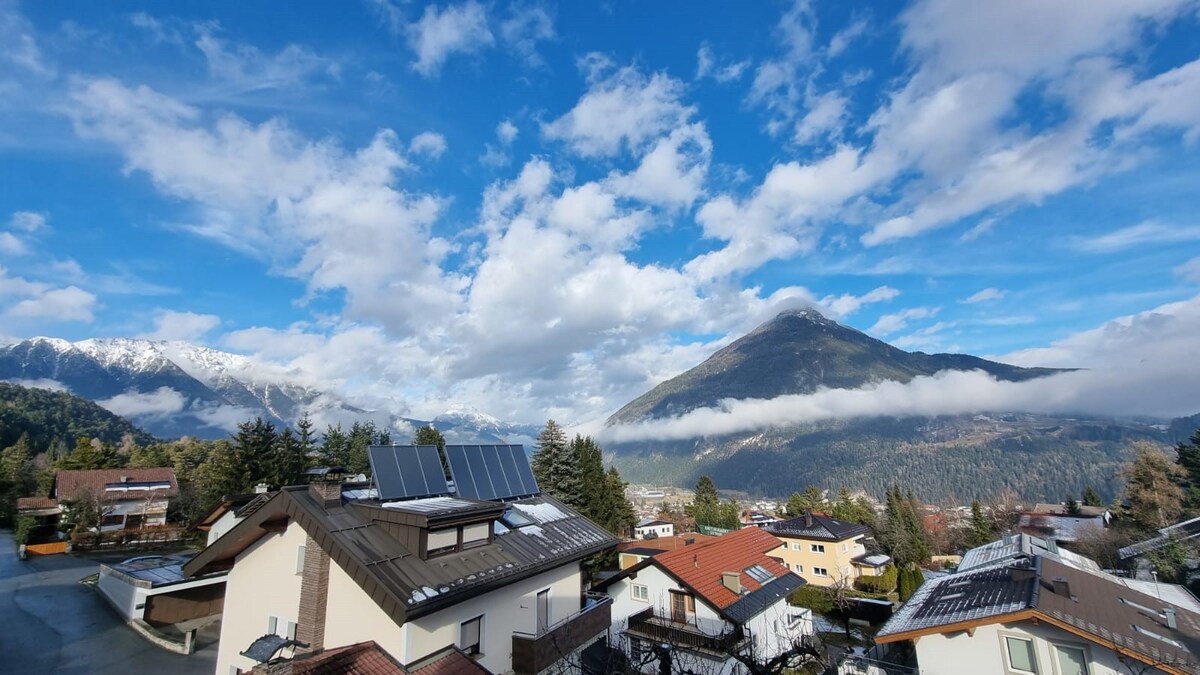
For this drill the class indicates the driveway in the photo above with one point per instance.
(50, 623)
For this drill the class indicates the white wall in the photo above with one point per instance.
(124, 596)
(946, 654)
(667, 530)
(351, 617)
(262, 583)
(770, 630)
(224, 524)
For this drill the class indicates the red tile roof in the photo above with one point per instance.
(76, 484)
(364, 658)
(36, 503)
(454, 662)
(700, 565)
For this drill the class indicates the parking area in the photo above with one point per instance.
(53, 624)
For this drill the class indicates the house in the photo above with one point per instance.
(825, 551)
(754, 518)
(152, 591)
(230, 511)
(368, 658)
(652, 528)
(706, 602)
(630, 553)
(128, 499)
(1019, 606)
(1057, 522)
(500, 579)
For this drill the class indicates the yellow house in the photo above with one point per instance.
(825, 551)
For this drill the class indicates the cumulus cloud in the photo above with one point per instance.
(39, 300)
(430, 144)
(441, 33)
(848, 303)
(27, 221)
(986, 295)
(506, 131)
(624, 109)
(524, 27)
(10, 244)
(185, 326)
(158, 403)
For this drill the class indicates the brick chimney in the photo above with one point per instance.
(808, 521)
(314, 597)
(327, 492)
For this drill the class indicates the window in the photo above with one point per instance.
(442, 541)
(796, 546)
(636, 649)
(799, 568)
(820, 572)
(759, 574)
(109, 521)
(816, 548)
(469, 636)
(640, 592)
(1071, 660)
(299, 560)
(1020, 654)
(475, 534)
(845, 547)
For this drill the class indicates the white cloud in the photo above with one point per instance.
(27, 221)
(506, 131)
(672, 172)
(245, 68)
(439, 34)
(624, 109)
(844, 37)
(844, 305)
(334, 218)
(892, 323)
(1189, 271)
(20, 44)
(1148, 232)
(40, 383)
(986, 295)
(161, 402)
(59, 304)
(929, 338)
(10, 244)
(186, 326)
(707, 65)
(525, 26)
(428, 143)
(826, 114)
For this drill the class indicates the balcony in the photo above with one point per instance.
(646, 625)
(534, 653)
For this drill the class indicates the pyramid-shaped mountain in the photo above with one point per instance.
(798, 352)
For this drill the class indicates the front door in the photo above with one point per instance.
(543, 611)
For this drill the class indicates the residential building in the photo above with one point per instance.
(229, 512)
(1020, 606)
(311, 570)
(630, 553)
(126, 498)
(707, 602)
(754, 518)
(1179, 532)
(152, 591)
(825, 551)
(652, 528)
(1058, 523)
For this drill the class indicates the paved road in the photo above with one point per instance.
(50, 623)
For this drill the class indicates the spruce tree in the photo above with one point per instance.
(981, 526)
(552, 466)
(253, 451)
(428, 435)
(586, 455)
(289, 460)
(1188, 457)
(334, 446)
(1091, 497)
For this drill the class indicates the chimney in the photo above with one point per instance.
(696, 560)
(261, 488)
(732, 581)
(808, 518)
(327, 492)
(1060, 586)
(1021, 573)
(1169, 612)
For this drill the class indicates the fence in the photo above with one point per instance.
(46, 549)
(147, 537)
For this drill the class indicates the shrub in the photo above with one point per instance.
(22, 528)
(884, 583)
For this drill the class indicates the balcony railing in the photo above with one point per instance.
(534, 653)
(646, 625)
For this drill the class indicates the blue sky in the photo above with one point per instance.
(543, 210)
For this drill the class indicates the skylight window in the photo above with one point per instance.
(759, 574)
(951, 596)
(514, 518)
(1143, 608)
(1156, 636)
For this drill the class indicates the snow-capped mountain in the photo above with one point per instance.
(177, 388)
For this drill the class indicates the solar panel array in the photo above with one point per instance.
(407, 471)
(491, 471)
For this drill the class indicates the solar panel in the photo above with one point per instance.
(491, 471)
(407, 471)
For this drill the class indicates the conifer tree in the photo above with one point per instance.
(1188, 457)
(335, 447)
(428, 435)
(306, 437)
(1091, 497)
(981, 526)
(1155, 499)
(253, 452)
(288, 461)
(552, 465)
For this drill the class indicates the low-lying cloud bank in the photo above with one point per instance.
(1146, 364)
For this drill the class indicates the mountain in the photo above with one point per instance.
(795, 353)
(56, 416)
(957, 456)
(176, 388)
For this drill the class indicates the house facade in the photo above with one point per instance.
(1021, 607)
(707, 602)
(127, 499)
(653, 528)
(825, 551)
(310, 570)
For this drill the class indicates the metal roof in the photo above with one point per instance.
(816, 526)
(1188, 529)
(159, 570)
(1017, 547)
